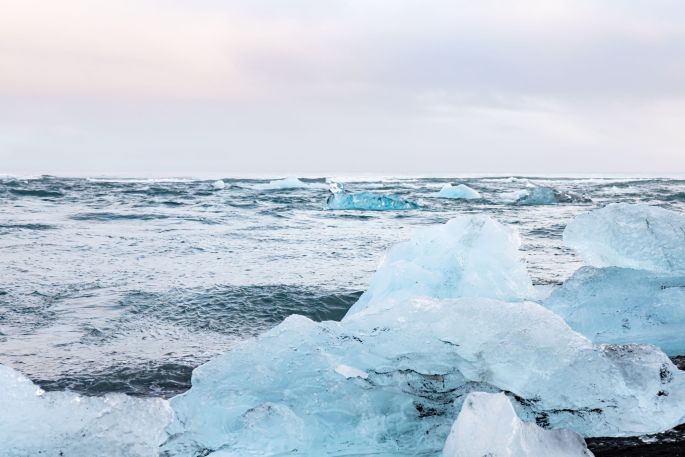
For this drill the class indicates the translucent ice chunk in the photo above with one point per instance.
(340, 199)
(488, 426)
(405, 369)
(622, 305)
(461, 191)
(469, 256)
(53, 424)
(540, 195)
(631, 236)
(218, 185)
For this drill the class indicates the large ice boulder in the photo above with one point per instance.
(469, 256)
(622, 305)
(55, 424)
(460, 191)
(488, 426)
(391, 380)
(632, 236)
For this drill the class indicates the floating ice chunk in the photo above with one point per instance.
(513, 196)
(488, 426)
(291, 183)
(631, 236)
(365, 201)
(540, 195)
(420, 357)
(218, 185)
(621, 305)
(461, 191)
(52, 424)
(469, 256)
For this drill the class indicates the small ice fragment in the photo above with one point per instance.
(460, 191)
(488, 426)
(218, 185)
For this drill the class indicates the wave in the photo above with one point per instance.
(290, 183)
(27, 226)
(41, 193)
(108, 216)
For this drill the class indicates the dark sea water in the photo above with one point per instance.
(127, 284)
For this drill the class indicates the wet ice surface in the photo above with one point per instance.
(126, 285)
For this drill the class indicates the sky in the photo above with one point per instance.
(384, 87)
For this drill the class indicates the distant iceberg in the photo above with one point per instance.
(540, 195)
(631, 236)
(488, 426)
(291, 183)
(391, 377)
(34, 422)
(460, 191)
(340, 199)
(637, 293)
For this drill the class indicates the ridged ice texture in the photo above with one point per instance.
(460, 191)
(488, 426)
(63, 424)
(469, 256)
(631, 236)
(390, 381)
(622, 305)
(368, 202)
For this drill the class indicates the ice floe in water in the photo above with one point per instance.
(218, 185)
(488, 426)
(56, 424)
(340, 199)
(460, 191)
(631, 236)
(469, 256)
(622, 305)
(291, 183)
(638, 293)
(540, 195)
(391, 377)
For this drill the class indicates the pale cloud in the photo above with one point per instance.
(342, 86)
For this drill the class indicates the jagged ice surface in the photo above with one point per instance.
(469, 256)
(391, 381)
(632, 236)
(488, 426)
(55, 424)
(365, 201)
(622, 305)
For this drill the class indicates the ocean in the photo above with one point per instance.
(126, 285)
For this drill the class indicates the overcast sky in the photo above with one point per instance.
(170, 87)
